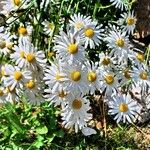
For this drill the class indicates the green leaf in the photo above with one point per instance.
(60, 133)
(50, 138)
(41, 130)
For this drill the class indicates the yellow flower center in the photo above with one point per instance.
(51, 54)
(1, 92)
(140, 57)
(51, 26)
(77, 104)
(92, 76)
(30, 84)
(109, 79)
(2, 44)
(79, 25)
(75, 75)
(106, 61)
(9, 45)
(123, 107)
(89, 33)
(30, 57)
(127, 74)
(143, 75)
(22, 54)
(17, 75)
(73, 48)
(58, 76)
(62, 94)
(131, 21)
(17, 2)
(3, 73)
(120, 42)
(22, 31)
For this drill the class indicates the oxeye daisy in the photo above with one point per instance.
(93, 77)
(26, 55)
(118, 42)
(76, 78)
(15, 77)
(75, 114)
(141, 77)
(120, 4)
(57, 98)
(128, 22)
(55, 77)
(92, 35)
(69, 48)
(109, 83)
(78, 21)
(5, 43)
(124, 108)
(48, 27)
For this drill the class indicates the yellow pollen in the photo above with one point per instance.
(89, 33)
(75, 75)
(17, 75)
(131, 21)
(91, 76)
(77, 104)
(22, 54)
(109, 79)
(144, 75)
(9, 45)
(62, 94)
(79, 25)
(140, 57)
(2, 44)
(1, 92)
(120, 42)
(30, 84)
(17, 2)
(30, 57)
(123, 107)
(106, 61)
(22, 31)
(127, 74)
(73, 48)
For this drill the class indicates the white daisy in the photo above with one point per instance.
(75, 114)
(15, 77)
(121, 4)
(76, 78)
(92, 35)
(48, 27)
(26, 55)
(69, 48)
(124, 108)
(78, 21)
(118, 42)
(55, 77)
(93, 77)
(128, 22)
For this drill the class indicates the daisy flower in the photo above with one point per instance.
(12, 5)
(92, 35)
(26, 55)
(15, 77)
(58, 97)
(75, 114)
(141, 77)
(120, 4)
(55, 77)
(48, 27)
(118, 42)
(76, 78)
(2, 95)
(128, 22)
(109, 83)
(124, 108)
(78, 21)
(93, 77)
(69, 48)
